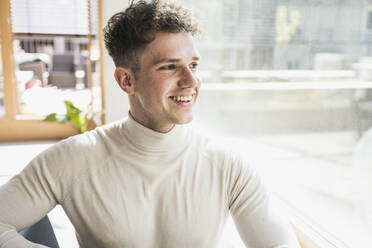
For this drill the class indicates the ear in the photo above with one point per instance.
(124, 77)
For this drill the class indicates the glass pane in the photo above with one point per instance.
(293, 81)
(56, 68)
(2, 108)
(49, 71)
(282, 35)
(302, 141)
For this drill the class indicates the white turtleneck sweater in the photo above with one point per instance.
(124, 185)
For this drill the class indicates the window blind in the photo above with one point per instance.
(51, 16)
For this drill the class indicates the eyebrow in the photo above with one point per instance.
(169, 60)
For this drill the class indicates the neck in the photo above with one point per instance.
(152, 141)
(152, 124)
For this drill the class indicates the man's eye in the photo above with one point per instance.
(194, 65)
(168, 67)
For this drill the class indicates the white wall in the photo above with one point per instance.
(116, 100)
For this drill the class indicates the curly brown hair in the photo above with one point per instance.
(128, 32)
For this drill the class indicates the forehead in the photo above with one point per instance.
(170, 46)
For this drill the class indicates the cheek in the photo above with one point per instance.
(156, 95)
(162, 87)
(158, 89)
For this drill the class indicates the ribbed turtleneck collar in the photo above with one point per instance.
(147, 139)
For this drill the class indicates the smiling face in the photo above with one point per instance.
(165, 88)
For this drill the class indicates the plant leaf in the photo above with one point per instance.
(80, 122)
(78, 117)
(71, 110)
(51, 117)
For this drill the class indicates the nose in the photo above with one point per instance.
(189, 79)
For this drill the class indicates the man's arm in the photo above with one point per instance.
(259, 223)
(265, 227)
(24, 201)
(28, 197)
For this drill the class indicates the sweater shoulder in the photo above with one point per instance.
(66, 161)
(224, 152)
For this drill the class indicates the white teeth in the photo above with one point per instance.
(182, 98)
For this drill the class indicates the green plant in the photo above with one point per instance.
(77, 116)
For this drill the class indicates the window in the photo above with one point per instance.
(295, 97)
(52, 53)
(59, 56)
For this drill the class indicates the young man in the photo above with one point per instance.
(146, 181)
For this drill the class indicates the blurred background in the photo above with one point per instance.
(286, 82)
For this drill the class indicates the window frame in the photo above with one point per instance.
(14, 126)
